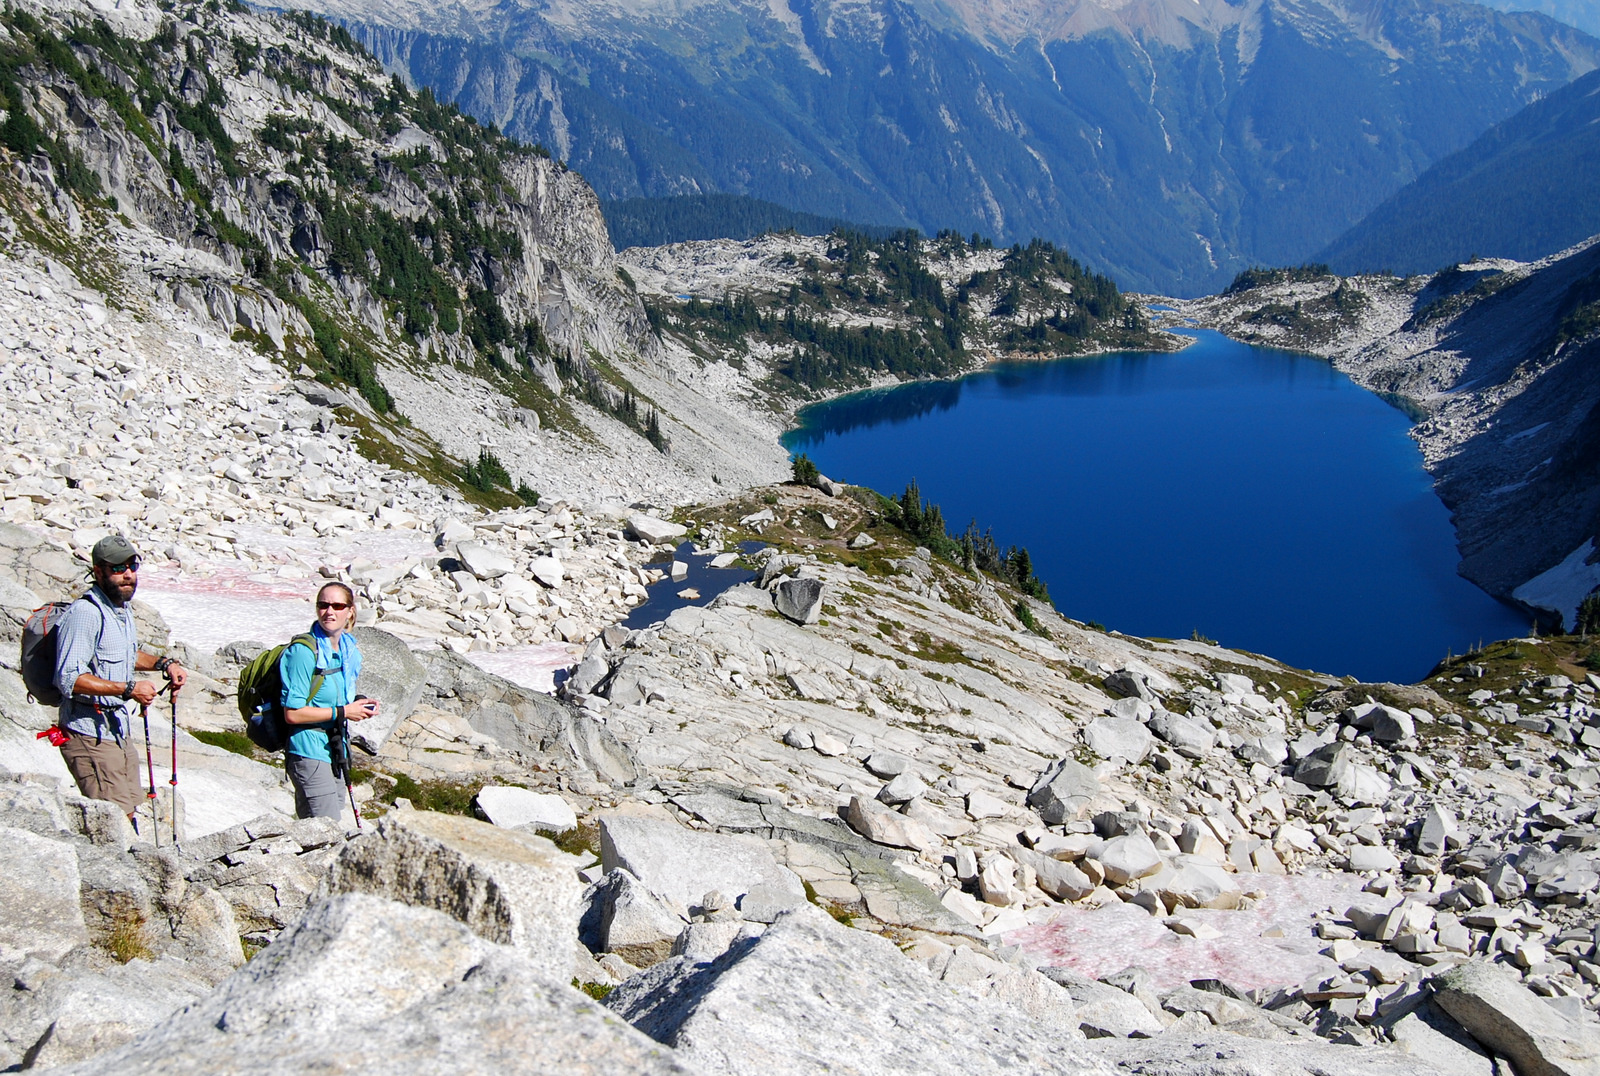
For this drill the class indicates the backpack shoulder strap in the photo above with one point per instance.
(318, 675)
(100, 636)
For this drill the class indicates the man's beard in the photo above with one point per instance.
(119, 593)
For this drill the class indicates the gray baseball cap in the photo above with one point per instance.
(113, 549)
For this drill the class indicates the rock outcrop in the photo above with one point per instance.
(509, 887)
(808, 994)
(101, 933)
(372, 985)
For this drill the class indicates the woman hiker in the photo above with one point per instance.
(314, 721)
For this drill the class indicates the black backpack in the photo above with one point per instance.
(261, 694)
(40, 643)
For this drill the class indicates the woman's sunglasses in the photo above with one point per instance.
(337, 607)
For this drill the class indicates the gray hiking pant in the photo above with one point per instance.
(317, 792)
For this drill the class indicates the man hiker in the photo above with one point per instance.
(97, 654)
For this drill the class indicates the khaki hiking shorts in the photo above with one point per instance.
(104, 769)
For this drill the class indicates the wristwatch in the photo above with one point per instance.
(162, 665)
(127, 691)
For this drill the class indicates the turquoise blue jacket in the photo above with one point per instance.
(340, 666)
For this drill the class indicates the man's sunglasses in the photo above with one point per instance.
(125, 566)
(337, 607)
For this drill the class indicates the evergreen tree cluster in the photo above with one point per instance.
(804, 471)
(936, 328)
(1260, 276)
(1588, 621)
(621, 401)
(488, 473)
(1580, 310)
(923, 522)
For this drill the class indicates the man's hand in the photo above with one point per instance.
(176, 674)
(144, 691)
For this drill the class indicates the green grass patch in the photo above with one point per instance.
(1509, 662)
(583, 840)
(237, 742)
(839, 914)
(444, 797)
(424, 460)
(1029, 621)
(125, 939)
(942, 651)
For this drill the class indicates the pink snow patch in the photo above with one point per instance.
(222, 602)
(209, 611)
(1097, 942)
(533, 667)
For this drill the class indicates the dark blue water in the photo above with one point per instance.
(702, 577)
(1256, 496)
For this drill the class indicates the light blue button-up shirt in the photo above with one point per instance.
(99, 638)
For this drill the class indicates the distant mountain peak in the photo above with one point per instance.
(1172, 142)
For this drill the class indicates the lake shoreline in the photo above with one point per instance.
(1231, 378)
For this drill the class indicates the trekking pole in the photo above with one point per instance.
(344, 755)
(173, 806)
(150, 771)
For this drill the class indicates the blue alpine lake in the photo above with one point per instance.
(1256, 496)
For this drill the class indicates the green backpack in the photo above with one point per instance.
(261, 694)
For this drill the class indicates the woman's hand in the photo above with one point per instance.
(361, 709)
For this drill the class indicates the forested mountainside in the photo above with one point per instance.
(1499, 361)
(1527, 188)
(803, 316)
(266, 175)
(314, 205)
(1170, 145)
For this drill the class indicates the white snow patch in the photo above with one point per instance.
(1561, 588)
(532, 667)
(223, 601)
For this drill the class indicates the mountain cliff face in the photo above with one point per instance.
(1170, 144)
(1499, 361)
(265, 175)
(1529, 187)
(290, 161)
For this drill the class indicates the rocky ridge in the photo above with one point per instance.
(1492, 358)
